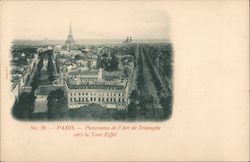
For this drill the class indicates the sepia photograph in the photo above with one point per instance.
(69, 68)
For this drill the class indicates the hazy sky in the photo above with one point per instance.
(90, 20)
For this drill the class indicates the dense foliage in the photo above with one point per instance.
(56, 103)
(24, 106)
(140, 76)
(36, 79)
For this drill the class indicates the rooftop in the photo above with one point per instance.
(112, 85)
(84, 72)
(107, 87)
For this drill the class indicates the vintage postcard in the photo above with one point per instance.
(113, 80)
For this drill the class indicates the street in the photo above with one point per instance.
(150, 90)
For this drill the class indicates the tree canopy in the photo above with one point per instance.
(166, 103)
(56, 103)
(23, 108)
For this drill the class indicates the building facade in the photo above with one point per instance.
(109, 96)
(90, 88)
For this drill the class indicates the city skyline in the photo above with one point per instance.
(96, 21)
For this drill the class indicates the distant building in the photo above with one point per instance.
(128, 40)
(69, 43)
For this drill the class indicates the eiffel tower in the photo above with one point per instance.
(69, 43)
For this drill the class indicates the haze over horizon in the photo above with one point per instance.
(90, 20)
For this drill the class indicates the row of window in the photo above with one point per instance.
(94, 99)
(98, 94)
(73, 86)
(89, 79)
